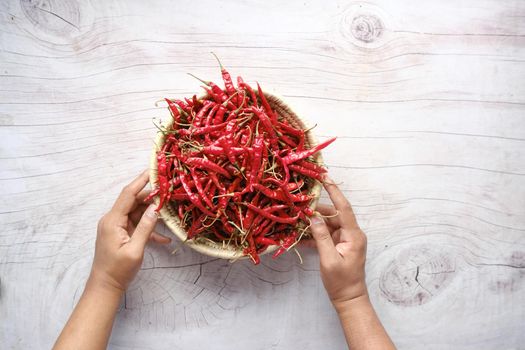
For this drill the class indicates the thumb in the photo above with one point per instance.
(323, 239)
(144, 228)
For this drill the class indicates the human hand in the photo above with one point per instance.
(122, 235)
(342, 248)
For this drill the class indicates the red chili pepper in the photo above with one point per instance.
(300, 145)
(211, 149)
(287, 243)
(266, 241)
(266, 229)
(207, 164)
(232, 169)
(248, 88)
(280, 219)
(152, 194)
(251, 251)
(180, 211)
(294, 157)
(228, 84)
(184, 107)
(178, 196)
(216, 91)
(200, 190)
(276, 207)
(288, 141)
(163, 179)
(219, 116)
(213, 95)
(197, 223)
(200, 130)
(223, 201)
(266, 105)
(173, 109)
(285, 168)
(289, 129)
(202, 112)
(250, 214)
(309, 165)
(308, 211)
(216, 181)
(304, 171)
(211, 115)
(258, 146)
(193, 197)
(227, 140)
(267, 124)
(291, 186)
(278, 194)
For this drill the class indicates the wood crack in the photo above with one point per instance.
(58, 16)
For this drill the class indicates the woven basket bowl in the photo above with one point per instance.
(205, 246)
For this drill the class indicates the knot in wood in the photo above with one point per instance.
(58, 17)
(366, 28)
(416, 275)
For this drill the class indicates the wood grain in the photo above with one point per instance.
(427, 100)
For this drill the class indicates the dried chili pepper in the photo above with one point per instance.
(294, 157)
(280, 219)
(207, 164)
(193, 197)
(305, 171)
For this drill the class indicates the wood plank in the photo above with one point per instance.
(427, 101)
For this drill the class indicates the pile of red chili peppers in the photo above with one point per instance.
(235, 171)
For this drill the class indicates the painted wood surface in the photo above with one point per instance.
(427, 99)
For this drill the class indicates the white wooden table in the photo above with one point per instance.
(428, 101)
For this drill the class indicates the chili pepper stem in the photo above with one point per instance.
(218, 60)
(299, 256)
(310, 128)
(207, 83)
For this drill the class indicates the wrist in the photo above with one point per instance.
(343, 306)
(99, 284)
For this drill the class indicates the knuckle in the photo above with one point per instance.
(103, 222)
(323, 236)
(361, 241)
(100, 223)
(145, 224)
(146, 219)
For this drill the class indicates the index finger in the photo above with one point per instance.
(347, 218)
(126, 201)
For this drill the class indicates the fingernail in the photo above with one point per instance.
(316, 220)
(151, 212)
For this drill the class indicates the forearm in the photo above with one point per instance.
(89, 326)
(362, 328)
